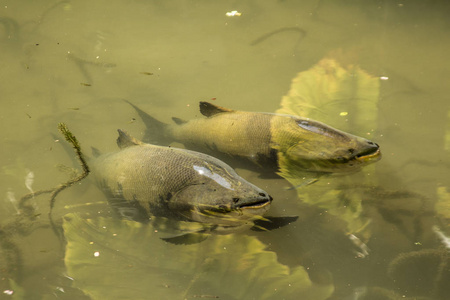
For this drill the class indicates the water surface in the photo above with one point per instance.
(74, 62)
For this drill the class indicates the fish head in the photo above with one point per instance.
(314, 146)
(217, 195)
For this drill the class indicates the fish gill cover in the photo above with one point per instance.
(119, 259)
(345, 97)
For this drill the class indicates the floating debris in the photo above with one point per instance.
(444, 239)
(29, 179)
(233, 13)
(11, 197)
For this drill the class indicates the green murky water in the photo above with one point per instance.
(74, 62)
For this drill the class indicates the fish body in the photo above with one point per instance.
(266, 139)
(144, 180)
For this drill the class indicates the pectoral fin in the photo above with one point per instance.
(186, 238)
(271, 223)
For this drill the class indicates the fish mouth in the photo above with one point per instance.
(369, 154)
(261, 203)
(236, 214)
(257, 204)
(225, 209)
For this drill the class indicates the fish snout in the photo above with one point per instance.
(368, 151)
(262, 199)
(372, 145)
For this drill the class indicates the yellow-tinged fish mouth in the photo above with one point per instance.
(255, 205)
(236, 214)
(258, 204)
(346, 164)
(371, 156)
(231, 216)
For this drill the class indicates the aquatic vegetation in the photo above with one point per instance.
(108, 260)
(340, 95)
(422, 273)
(70, 138)
(25, 221)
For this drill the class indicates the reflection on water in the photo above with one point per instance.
(74, 62)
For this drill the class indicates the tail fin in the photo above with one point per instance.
(156, 130)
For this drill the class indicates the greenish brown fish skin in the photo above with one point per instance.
(267, 140)
(237, 134)
(306, 144)
(177, 183)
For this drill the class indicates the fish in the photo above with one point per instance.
(145, 182)
(268, 141)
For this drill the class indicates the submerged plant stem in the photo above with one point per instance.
(28, 210)
(300, 31)
(76, 146)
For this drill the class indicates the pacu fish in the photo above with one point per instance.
(266, 139)
(144, 180)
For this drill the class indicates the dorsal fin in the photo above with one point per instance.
(178, 121)
(207, 109)
(271, 223)
(125, 140)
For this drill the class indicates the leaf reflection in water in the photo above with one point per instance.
(117, 259)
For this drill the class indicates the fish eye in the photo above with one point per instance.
(236, 200)
(351, 150)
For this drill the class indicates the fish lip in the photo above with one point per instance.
(224, 209)
(254, 205)
(369, 155)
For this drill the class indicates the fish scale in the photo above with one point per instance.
(176, 183)
(271, 142)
